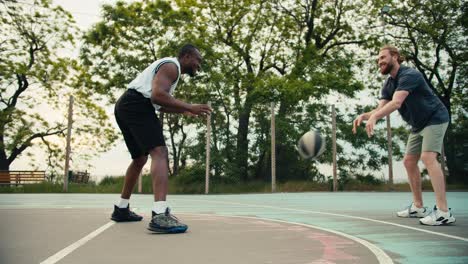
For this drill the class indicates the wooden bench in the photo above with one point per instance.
(21, 177)
(78, 176)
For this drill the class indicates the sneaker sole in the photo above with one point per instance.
(125, 220)
(438, 223)
(174, 230)
(411, 216)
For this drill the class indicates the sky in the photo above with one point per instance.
(115, 161)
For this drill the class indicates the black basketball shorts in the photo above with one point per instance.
(139, 123)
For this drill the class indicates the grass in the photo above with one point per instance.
(114, 185)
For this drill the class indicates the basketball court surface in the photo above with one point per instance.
(280, 228)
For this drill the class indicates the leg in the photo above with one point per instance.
(128, 114)
(410, 161)
(132, 174)
(441, 216)
(414, 177)
(433, 138)
(127, 111)
(437, 178)
(159, 172)
(162, 222)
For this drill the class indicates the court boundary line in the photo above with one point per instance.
(339, 215)
(66, 251)
(380, 254)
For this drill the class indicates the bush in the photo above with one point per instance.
(369, 179)
(109, 180)
(191, 175)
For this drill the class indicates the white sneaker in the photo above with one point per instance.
(413, 211)
(437, 217)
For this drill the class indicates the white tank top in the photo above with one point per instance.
(142, 83)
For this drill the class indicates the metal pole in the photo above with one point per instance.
(207, 169)
(273, 149)
(68, 148)
(390, 153)
(335, 181)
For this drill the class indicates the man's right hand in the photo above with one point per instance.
(357, 122)
(200, 109)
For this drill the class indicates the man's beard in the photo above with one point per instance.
(388, 68)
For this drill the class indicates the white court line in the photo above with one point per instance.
(381, 256)
(340, 215)
(64, 252)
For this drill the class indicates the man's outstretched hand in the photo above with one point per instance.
(200, 109)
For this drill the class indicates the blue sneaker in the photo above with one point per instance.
(166, 223)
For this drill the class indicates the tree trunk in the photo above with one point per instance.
(449, 147)
(4, 165)
(282, 150)
(243, 142)
(261, 171)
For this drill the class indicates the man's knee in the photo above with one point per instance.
(429, 158)
(410, 161)
(140, 161)
(160, 152)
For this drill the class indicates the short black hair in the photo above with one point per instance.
(187, 49)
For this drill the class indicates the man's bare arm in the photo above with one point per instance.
(357, 122)
(381, 104)
(394, 104)
(390, 106)
(171, 110)
(161, 86)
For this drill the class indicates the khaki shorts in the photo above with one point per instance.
(430, 139)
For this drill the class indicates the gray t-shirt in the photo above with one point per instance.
(421, 107)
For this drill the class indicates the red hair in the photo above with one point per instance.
(394, 51)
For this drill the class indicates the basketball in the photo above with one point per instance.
(311, 145)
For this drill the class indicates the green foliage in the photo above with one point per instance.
(369, 179)
(109, 180)
(36, 80)
(368, 184)
(299, 54)
(255, 52)
(195, 174)
(270, 56)
(129, 37)
(191, 175)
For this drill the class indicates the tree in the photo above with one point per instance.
(255, 52)
(288, 52)
(129, 37)
(35, 81)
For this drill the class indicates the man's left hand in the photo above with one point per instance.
(370, 126)
(187, 113)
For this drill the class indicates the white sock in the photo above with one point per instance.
(123, 203)
(160, 207)
(444, 214)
